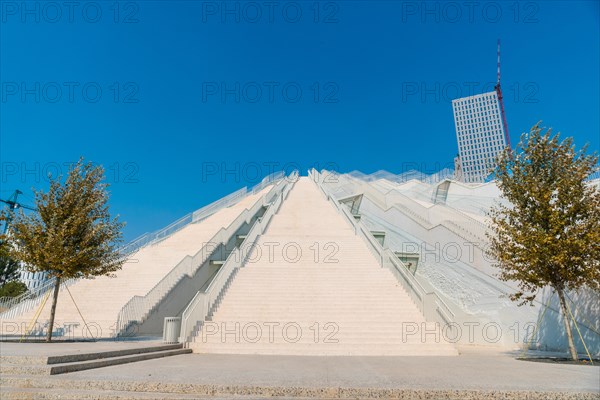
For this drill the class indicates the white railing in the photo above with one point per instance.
(139, 307)
(198, 215)
(433, 307)
(193, 217)
(456, 221)
(406, 176)
(267, 181)
(466, 223)
(18, 305)
(594, 175)
(394, 195)
(15, 306)
(204, 301)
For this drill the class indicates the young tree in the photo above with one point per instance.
(549, 234)
(73, 234)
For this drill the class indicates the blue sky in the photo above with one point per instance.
(163, 94)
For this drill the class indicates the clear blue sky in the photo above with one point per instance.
(376, 79)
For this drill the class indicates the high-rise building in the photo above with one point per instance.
(480, 134)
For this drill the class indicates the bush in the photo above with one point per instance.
(12, 289)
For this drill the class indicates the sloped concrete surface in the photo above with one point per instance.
(471, 376)
(312, 287)
(143, 270)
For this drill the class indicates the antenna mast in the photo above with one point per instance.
(498, 82)
(499, 92)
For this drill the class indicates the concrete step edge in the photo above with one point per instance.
(55, 369)
(69, 358)
(83, 365)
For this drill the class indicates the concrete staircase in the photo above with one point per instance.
(139, 274)
(311, 287)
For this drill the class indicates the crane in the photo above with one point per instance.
(12, 204)
(499, 92)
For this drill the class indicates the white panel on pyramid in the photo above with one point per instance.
(443, 224)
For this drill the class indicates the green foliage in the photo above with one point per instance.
(550, 232)
(12, 289)
(72, 235)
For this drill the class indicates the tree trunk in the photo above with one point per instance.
(565, 312)
(53, 309)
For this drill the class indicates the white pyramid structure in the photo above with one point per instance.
(329, 264)
(314, 288)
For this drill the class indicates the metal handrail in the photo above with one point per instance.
(594, 175)
(405, 176)
(267, 181)
(32, 297)
(204, 301)
(137, 309)
(193, 217)
(433, 307)
(386, 197)
(392, 199)
(393, 196)
(15, 306)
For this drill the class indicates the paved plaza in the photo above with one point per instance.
(473, 374)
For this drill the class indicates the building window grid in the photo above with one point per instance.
(479, 131)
